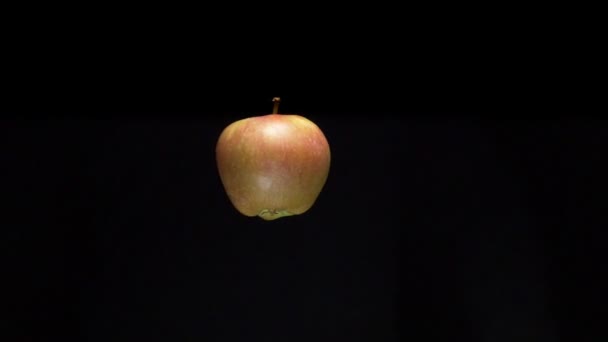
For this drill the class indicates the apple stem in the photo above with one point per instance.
(275, 109)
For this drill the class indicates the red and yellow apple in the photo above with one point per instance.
(273, 165)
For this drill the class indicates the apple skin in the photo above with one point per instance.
(273, 165)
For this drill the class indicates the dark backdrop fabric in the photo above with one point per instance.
(443, 227)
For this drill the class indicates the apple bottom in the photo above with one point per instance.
(271, 214)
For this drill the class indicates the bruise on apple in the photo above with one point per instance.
(274, 165)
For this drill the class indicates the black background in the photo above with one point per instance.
(433, 224)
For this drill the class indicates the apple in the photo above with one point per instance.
(273, 165)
